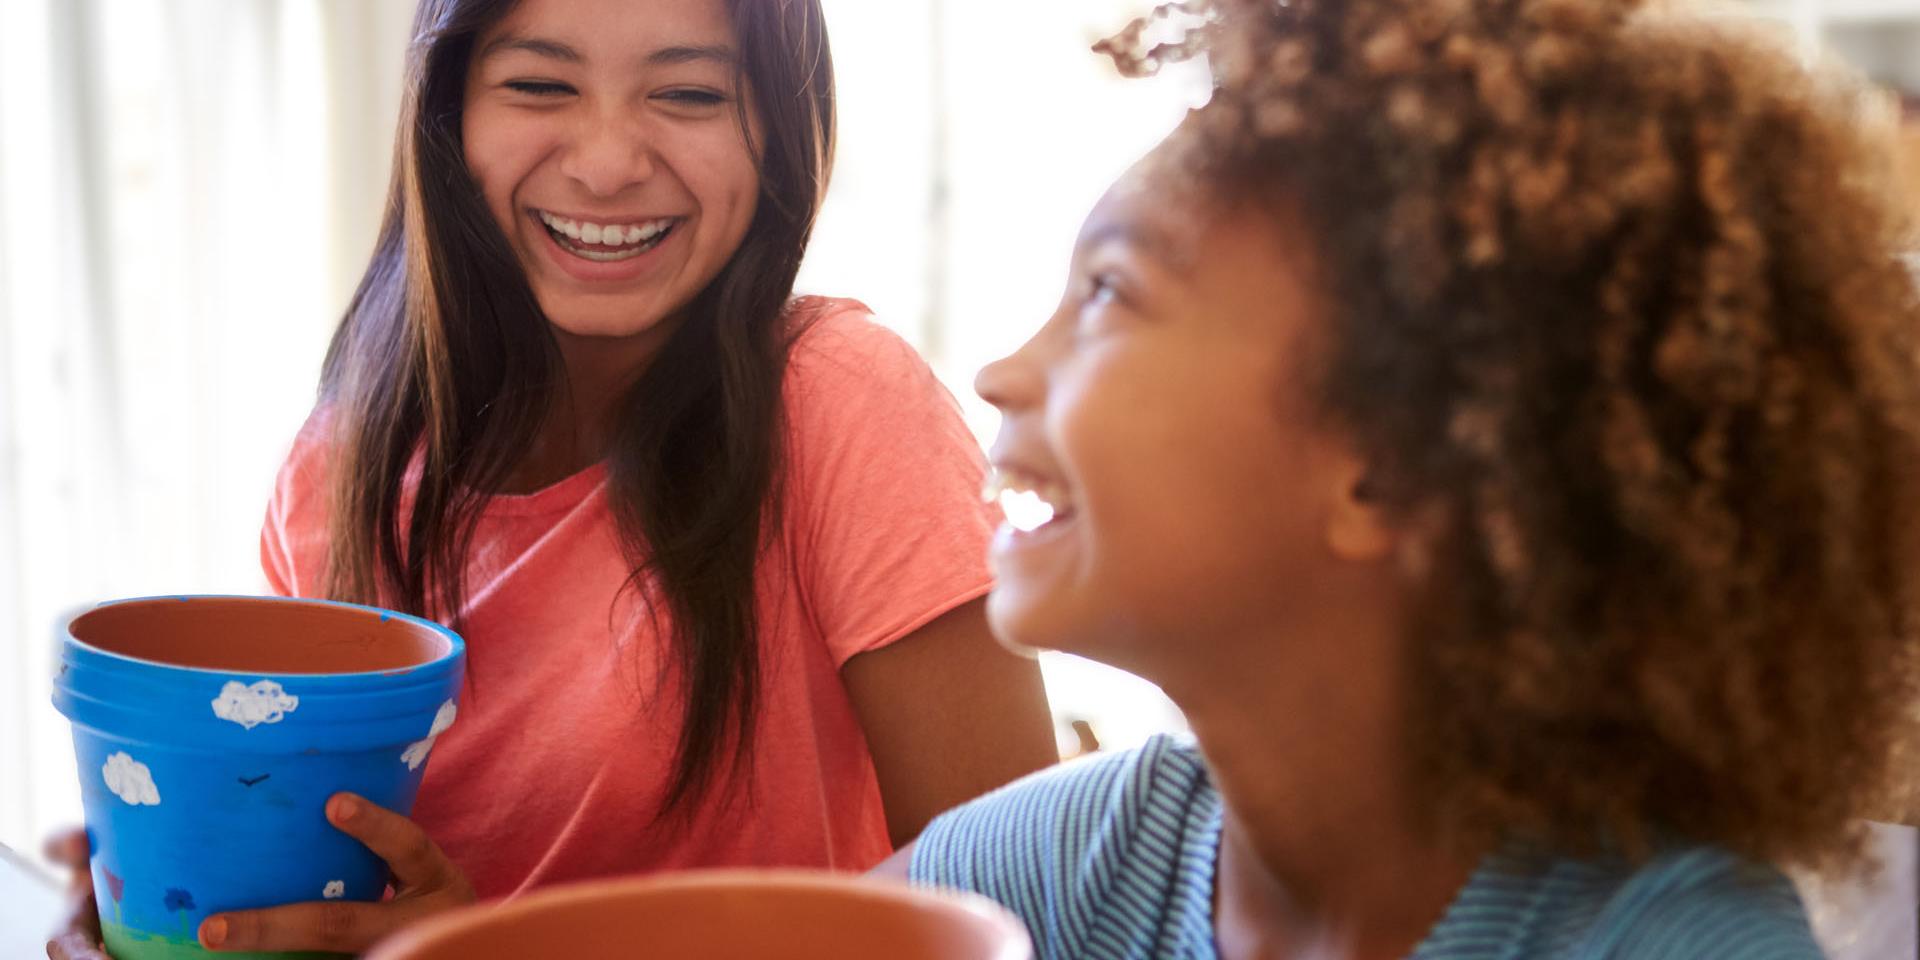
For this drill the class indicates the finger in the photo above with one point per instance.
(335, 926)
(74, 946)
(83, 917)
(413, 858)
(68, 848)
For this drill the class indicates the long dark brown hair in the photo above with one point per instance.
(445, 365)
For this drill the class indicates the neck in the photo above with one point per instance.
(597, 372)
(1322, 852)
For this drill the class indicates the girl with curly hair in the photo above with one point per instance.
(1493, 422)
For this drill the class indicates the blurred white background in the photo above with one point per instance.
(189, 190)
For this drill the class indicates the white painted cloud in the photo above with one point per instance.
(264, 702)
(416, 753)
(443, 719)
(130, 780)
(335, 890)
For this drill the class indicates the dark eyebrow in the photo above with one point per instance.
(551, 49)
(664, 57)
(670, 56)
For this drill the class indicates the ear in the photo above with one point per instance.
(1357, 526)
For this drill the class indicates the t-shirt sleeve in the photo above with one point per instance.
(890, 531)
(1706, 905)
(275, 559)
(293, 535)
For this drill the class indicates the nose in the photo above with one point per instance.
(1012, 382)
(610, 151)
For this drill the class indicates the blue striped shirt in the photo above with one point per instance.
(1112, 858)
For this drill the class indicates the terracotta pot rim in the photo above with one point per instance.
(455, 651)
(438, 929)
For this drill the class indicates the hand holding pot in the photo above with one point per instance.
(79, 937)
(425, 883)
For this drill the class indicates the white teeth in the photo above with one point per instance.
(600, 233)
(567, 227)
(1025, 511)
(606, 257)
(1028, 502)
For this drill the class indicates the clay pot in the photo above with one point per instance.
(210, 732)
(723, 915)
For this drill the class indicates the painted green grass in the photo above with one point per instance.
(128, 944)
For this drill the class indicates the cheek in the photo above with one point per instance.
(722, 174)
(1195, 485)
(499, 154)
(1149, 424)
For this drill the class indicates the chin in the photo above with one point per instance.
(602, 322)
(1011, 622)
(1027, 625)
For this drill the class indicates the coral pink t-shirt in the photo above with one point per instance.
(555, 768)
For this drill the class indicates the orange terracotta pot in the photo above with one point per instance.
(723, 915)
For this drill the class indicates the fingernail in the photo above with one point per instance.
(214, 932)
(345, 809)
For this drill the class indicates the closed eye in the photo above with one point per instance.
(694, 98)
(539, 88)
(1102, 290)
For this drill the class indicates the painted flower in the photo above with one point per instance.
(178, 899)
(335, 890)
(130, 780)
(115, 886)
(250, 706)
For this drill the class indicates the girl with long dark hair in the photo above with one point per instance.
(718, 553)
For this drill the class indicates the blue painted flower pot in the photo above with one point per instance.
(210, 732)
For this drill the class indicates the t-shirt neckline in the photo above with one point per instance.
(560, 496)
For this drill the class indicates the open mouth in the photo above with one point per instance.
(607, 243)
(1029, 502)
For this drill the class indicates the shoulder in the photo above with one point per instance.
(1056, 846)
(303, 474)
(293, 539)
(857, 393)
(1703, 903)
(1060, 809)
(838, 343)
(1696, 903)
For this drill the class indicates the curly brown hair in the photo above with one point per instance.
(1620, 300)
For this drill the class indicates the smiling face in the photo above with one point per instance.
(1159, 425)
(605, 136)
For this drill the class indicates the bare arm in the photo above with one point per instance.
(949, 714)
